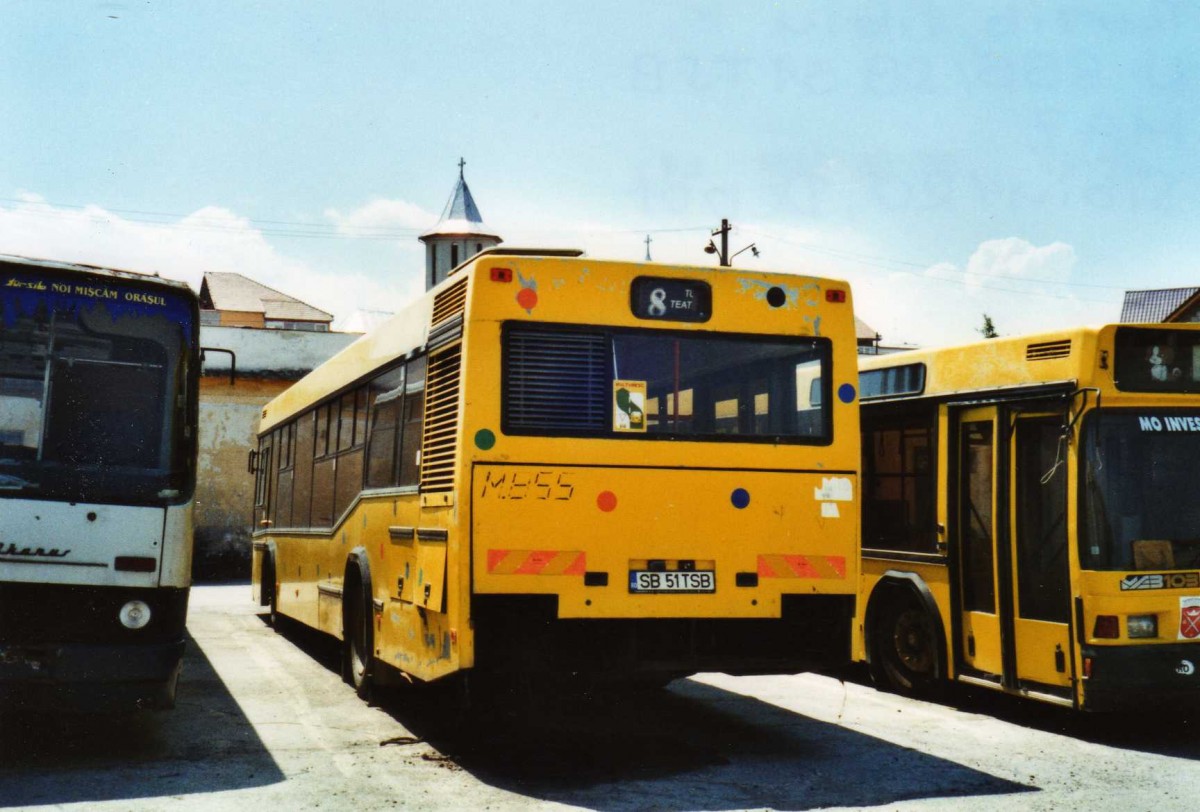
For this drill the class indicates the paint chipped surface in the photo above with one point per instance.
(758, 289)
(834, 489)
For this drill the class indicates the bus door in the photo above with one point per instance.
(978, 467)
(1014, 578)
(1041, 573)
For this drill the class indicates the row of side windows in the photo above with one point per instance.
(311, 469)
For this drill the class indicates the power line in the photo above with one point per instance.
(298, 229)
(889, 264)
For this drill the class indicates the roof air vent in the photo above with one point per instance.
(1047, 350)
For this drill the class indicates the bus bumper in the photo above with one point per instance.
(1128, 677)
(88, 677)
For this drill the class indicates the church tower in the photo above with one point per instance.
(459, 235)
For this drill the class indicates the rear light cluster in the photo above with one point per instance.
(1138, 627)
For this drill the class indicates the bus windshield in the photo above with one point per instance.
(1139, 510)
(93, 391)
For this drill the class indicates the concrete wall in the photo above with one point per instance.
(268, 361)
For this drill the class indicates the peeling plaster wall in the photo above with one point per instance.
(268, 361)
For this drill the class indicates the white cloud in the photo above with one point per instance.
(1024, 289)
(1017, 260)
(382, 215)
(1022, 286)
(214, 239)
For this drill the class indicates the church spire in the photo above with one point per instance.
(459, 235)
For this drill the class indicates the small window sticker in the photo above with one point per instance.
(629, 405)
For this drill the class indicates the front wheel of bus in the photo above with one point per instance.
(358, 646)
(904, 652)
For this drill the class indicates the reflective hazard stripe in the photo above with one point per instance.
(536, 562)
(801, 566)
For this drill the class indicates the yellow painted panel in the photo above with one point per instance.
(985, 628)
(1037, 642)
(431, 574)
(538, 529)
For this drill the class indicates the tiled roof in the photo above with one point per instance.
(232, 291)
(1150, 306)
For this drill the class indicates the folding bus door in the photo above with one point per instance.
(978, 434)
(1042, 583)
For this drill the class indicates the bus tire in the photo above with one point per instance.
(270, 592)
(904, 646)
(358, 638)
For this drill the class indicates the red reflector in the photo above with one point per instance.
(837, 296)
(1087, 667)
(134, 563)
(1107, 626)
(501, 274)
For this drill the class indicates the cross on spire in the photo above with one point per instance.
(648, 241)
(461, 163)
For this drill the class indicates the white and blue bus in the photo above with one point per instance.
(98, 405)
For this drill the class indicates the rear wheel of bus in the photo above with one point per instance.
(357, 633)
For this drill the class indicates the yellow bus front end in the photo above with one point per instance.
(1028, 525)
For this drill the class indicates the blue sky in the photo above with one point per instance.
(1028, 160)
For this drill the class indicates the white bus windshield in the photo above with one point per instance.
(93, 390)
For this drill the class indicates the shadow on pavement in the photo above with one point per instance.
(1159, 727)
(204, 745)
(688, 746)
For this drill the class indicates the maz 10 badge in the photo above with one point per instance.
(629, 405)
(654, 297)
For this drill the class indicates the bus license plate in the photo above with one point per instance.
(659, 581)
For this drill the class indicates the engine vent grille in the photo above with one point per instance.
(439, 444)
(450, 302)
(556, 381)
(1047, 350)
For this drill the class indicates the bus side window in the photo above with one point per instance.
(262, 482)
(302, 465)
(349, 474)
(899, 509)
(283, 491)
(414, 420)
(386, 395)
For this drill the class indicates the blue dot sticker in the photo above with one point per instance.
(740, 498)
(846, 393)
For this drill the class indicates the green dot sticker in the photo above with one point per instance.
(485, 439)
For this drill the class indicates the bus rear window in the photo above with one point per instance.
(1157, 360)
(666, 384)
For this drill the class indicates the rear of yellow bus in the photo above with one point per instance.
(1138, 521)
(661, 464)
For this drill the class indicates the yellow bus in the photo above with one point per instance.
(1026, 519)
(553, 465)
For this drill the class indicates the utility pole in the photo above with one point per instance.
(724, 232)
(723, 252)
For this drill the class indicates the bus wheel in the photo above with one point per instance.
(358, 640)
(270, 593)
(904, 654)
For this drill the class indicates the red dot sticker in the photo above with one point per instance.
(528, 299)
(607, 501)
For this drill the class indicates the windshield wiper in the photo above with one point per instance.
(8, 482)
